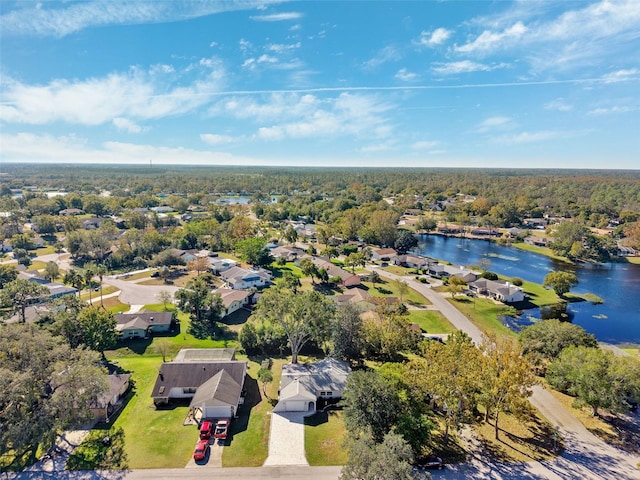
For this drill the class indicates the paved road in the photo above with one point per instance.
(585, 455)
(133, 294)
(286, 473)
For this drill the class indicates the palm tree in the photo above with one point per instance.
(88, 273)
(73, 278)
(101, 271)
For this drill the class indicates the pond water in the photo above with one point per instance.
(617, 320)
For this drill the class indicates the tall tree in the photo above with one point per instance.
(304, 316)
(390, 459)
(506, 379)
(254, 251)
(561, 282)
(543, 341)
(8, 273)
(204, 308)
(19, 294)
(98, 328)
(596, 378)
(46, 389)
(405, 242)
(365, 410)
(347, 337)
(51, 271)
(449, 373)
(74, 278)
(308, 268)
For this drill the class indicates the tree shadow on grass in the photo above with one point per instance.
(101, 451)
(252, 397)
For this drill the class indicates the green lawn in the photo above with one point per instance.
(431, 321)
(546, 251)
(484, 313)
(324, 433)
(539, 295)
(152, 438)
(249, 443)
(387, 288)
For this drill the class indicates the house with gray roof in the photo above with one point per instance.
(141, 324)
(498, 290)
(211, 378)
(302, 385)
(238, 278)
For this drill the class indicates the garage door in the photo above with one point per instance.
(296, 406)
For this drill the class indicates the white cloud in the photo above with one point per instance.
(493, 123)
(437, 37)
(385, 55)
(570, 40)
(161, 68)
(463, 66)
(28, 147)
(95, 101)
(489, 40)
(613, 110)
(348, 114)
(424, 145)
(558, 104)
(621, 75)
(406, 76)
(277, 17)
(127, 125)
(534, 137)
(282, 47)
(215, 139)
(61, 18)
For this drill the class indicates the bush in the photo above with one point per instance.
(516, 281)
(489, 275)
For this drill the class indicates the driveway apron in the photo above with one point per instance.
(286, 439)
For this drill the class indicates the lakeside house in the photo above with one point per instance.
(498, 290)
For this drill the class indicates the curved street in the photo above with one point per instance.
(585, 455)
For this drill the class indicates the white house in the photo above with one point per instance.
(302, 385)
(501, 291)
(383, 254)
(219, 265)
(233, 300)
(238, 278)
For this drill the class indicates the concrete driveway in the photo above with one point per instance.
(286, 439)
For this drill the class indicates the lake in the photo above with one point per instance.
(617, 320)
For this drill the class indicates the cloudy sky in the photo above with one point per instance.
(320, 83)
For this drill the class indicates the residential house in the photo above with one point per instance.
(537, 223)
(56, 290)
(111, 401)
(233, 300)
(303, 385)
(498, 290)
(411, 261)
(162, 209)
(70, 211)
(290, 254)
(347, 279)
(356, 295)
(238, 278)
(461, 272)
(383, 254)
(219, 265)
(141, 324)
(92, 223)
(210, 377)
(486, 232)
(450, 229)
(537, 241)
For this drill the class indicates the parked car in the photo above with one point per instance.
(222, 427)
(430, 463)
(206, 429)
(200, 452)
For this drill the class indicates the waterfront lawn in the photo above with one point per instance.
(484, 313)
(538, 295)
(324, 434)
(431, 321)
(546, 251)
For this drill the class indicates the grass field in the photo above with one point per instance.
(546, 251)
(386, 288)
(484, 313)
(324, 433)
(431, 321)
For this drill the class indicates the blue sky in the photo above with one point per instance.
(322, 83)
